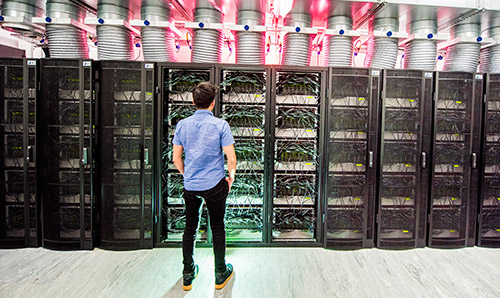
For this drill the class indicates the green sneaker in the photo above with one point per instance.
(189, 277)
(221, 279)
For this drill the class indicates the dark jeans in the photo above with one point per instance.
(216, 204)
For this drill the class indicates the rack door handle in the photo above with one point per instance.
(29, 157)
(370, 159)
(85, 159)
(146, 156)
(424, 160)
(474, 160)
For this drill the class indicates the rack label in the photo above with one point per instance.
(428, 74)
(479, 77)
(31, 62)
(86, 63)
(148, 65)
(376, 73)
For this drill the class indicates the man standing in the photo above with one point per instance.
(203, 137)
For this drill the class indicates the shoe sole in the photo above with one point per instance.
(188, 288)
(221, 286)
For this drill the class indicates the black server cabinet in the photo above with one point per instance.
(65, 118)
(243, 103)
(176, 82)
(352, 142)
(19, 209)
(295, 213)
(125, 140)
(489, 212)
(456, 146)
(404, 158)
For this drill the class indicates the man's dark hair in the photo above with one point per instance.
(203, 95)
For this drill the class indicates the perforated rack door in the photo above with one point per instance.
(19, 221)
(456, 144)
(177, 82)
(295, 133)
(65, 124)
(352, 136)
(404, 157)
(489, 205)
(244, 104)
(127, 95)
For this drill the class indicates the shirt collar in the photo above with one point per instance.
(201, 112)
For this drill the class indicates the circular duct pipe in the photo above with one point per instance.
(23, 8)
(421, 53)
(207, 43)
(250, 45)
(66, 41)
(464, 56)
(338, 51)
(382, 52)
(157, 43)
(297, 46)
(114, 42)
(490, 57)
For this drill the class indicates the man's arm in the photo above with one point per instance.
(231, 163)
(177, 156)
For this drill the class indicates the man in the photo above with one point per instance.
(203, 137)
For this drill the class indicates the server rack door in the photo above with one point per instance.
(297, 94)
(18, 206)
(404, 147)
(452, 205)
(176, 103)
(243, 104)
(489, 212)
(66, 174)
(352, 148)
(126, 99)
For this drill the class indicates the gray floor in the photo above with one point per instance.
(259, 272)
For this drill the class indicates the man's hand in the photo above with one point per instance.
(230, 183)
(231, 163)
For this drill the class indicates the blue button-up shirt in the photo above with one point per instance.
(202, 136)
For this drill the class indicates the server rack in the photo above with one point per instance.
(352, 142)
(297, 103)
(405, 145)
(19, 221)
(489, 205)
(456, 145)
(243, 103)
(65, 159)
(125, 140)
(176, 82)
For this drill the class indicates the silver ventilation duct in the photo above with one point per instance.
(338, 48)
(382, 51)
(490, 56)
(421, 53)
(66, 41)
(22, 8)
(207, 43)
(114, 42)
(297, 46)
(250, 45)
(157, 43)
(463, 56)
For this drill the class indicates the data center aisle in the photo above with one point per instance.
(260, 272)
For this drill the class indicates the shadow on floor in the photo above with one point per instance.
(176, 290)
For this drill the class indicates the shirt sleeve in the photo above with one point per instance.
(226, 135)
(177, 135)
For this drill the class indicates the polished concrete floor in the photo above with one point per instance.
(259, 272)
